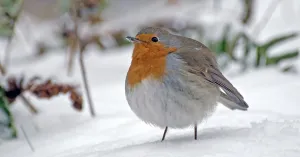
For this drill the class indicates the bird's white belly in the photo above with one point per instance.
(172, 103)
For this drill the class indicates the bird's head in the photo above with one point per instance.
(156, 42)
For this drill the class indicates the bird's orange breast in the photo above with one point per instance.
(147, 60)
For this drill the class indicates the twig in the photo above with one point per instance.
(2, 69)
(73, 38)
(27, 139)
(8, 45)
(82, 67)
(248, 6)
(84, 77)
(29, 104)
(73, 43)
(266, 18)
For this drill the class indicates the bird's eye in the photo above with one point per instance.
(154, 39)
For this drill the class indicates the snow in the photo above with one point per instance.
(270, 128)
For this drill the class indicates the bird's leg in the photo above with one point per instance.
(195, 131)
(164, 135)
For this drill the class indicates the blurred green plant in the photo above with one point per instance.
(9, 11)
(9, 14)
(262, 57)
(229, 42)
(234, 45)
(65, 4)
(4, 107)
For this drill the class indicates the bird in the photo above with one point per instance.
(175, 82)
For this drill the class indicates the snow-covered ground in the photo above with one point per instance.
(271, 127)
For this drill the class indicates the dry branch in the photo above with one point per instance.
(2, 70)
(248, 6)
(28, 104)
(82, 45)
(43, 90)
(27, 139)
(84, 77)
(48, 89)
(73, 42)
(73, 36)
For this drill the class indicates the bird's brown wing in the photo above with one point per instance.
(202, 62)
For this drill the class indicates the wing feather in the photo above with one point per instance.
(202, 62)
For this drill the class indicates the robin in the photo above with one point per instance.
(175, 82)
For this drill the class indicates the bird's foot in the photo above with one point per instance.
(164, 135)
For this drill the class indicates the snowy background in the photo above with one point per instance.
(270, 128)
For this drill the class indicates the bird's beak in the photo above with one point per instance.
(132, 39)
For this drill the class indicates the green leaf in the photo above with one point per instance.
(4, 107)
(260, 54)
(290, 69)
(278, 40)
(224, 43)
(277, 59)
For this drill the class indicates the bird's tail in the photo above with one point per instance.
(225, 100)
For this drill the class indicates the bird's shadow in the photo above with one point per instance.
(209, 134)
(204, 136)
